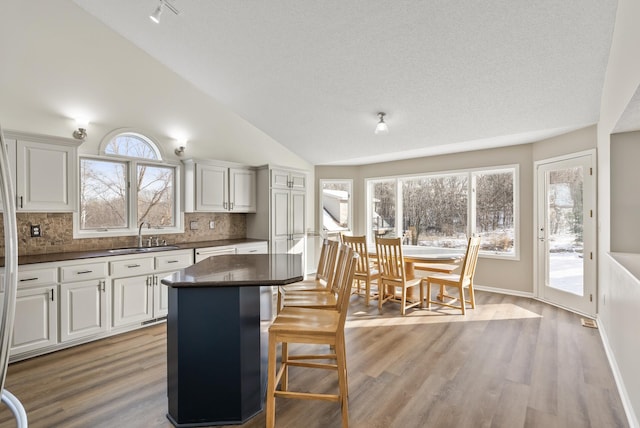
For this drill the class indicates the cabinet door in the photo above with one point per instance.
(211, 188)
(132, 300)
(242, 190)
(45, 177)
(83, 309)
(298, 180)
(279, 179)
(35, 323)
(298, 212)
(280, 211)
(161, 296)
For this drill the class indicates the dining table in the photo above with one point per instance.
(418, 258)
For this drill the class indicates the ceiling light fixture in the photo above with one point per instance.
(381, 127)
(155, 16)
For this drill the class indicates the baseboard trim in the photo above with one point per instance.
(622, 390)
(503, 291)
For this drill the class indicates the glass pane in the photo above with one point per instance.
(132, 145)
(156, 197)
(383, 208)
(494, 211)
(103, 194)
(435, 211)
(336, 200)
(565, 239)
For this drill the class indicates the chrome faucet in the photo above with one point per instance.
(140, 232)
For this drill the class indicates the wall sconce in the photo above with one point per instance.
(180, 150)
(81, 132)
(381, 127)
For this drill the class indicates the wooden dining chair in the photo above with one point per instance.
(324, 273)
(393, 276)
(456, 280)
(317, 327)
(366, 271)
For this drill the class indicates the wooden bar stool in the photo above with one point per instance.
(312, 326)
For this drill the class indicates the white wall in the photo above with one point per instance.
(58, 62)
(619, 325)
(625, 198)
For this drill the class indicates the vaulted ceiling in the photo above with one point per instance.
(450, 75)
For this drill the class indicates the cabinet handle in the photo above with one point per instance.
(52, 294)
(28, 279)
(155, 280)
(230, 206)
(133, 266)
(83, 272)
(21, 202)
(174, 261)
(103, 286)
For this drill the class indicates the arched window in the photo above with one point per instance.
(126, 185)
(133, 145)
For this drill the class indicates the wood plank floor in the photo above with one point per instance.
(512, 362)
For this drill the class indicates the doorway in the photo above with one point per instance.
(566, 232)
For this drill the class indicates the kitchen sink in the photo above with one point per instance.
(134, 250)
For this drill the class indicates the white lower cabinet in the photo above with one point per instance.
(36, 319)
(83, 309)
(142, 298)
(83, 300)
(132, 300)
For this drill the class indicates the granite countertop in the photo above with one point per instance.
(236, 270)
(80, 255)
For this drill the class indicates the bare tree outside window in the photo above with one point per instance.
(155, 195)
(435, 210)
(103, 194)
(495, 220)
(383, 208)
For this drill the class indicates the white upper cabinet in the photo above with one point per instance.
(44, 172)
(219, 188)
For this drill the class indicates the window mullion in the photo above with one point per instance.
(471, 224)
(133, 195)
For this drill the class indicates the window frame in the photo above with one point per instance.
(471, 205)
(132, 199)
(321, 183)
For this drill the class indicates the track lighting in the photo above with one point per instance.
(155, 16)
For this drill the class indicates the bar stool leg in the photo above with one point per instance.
(270, 414)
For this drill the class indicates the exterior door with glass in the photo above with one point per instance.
(566, 232)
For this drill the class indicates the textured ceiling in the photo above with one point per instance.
(451, 76)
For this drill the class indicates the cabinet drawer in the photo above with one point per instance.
(132, 267)
(173, 261)
(83, 272)
(37, 277)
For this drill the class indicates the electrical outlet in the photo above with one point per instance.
(212, 224)
(36, 232)
(193, 225)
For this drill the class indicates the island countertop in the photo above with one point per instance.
(235, 270)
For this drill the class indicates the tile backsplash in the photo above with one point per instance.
(57, 233)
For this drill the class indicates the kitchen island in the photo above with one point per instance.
(213, 336)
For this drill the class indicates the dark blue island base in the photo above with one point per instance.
(214, 374)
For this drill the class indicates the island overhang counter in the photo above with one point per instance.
(213, 336)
